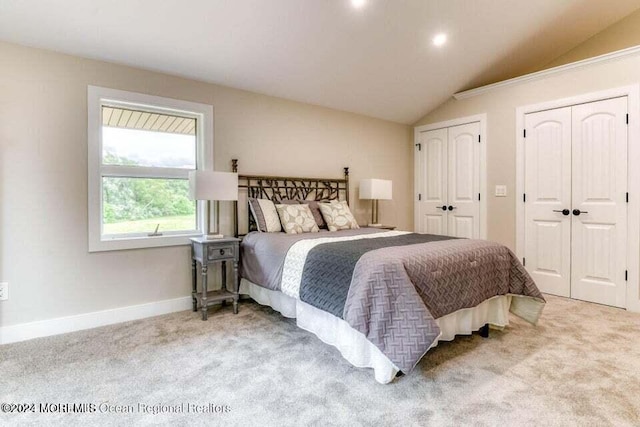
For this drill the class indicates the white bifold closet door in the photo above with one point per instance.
(575, 208)
(599, 176)
(432, 182)
(449, 181)
(547, 188)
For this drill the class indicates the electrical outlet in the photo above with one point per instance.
(501, 191)
(4, 291)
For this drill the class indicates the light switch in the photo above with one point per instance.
(501, 191)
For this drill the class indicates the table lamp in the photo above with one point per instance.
(213, 186)
(375, 189)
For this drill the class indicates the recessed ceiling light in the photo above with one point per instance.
(358, 3)
(440, 39)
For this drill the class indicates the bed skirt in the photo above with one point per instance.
(354, 346)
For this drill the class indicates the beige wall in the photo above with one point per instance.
(623, 34)
(500, 106)
(43, 176)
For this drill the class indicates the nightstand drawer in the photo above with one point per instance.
(221, 252)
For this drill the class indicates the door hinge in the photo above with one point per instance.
(627, 118)
(525, 133)
(627, 197)
(419, 196)
(478, 196)
(524, 197)
(626, 275)
(524, 261)
(419, 147)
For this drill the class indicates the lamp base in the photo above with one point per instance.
(374, 225)
(209, 235)
(213, 236)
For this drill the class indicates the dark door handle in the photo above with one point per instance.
(451, 207)
(444, 208)
(563, 211)
(577, 212)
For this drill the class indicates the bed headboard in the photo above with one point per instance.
(278, 188)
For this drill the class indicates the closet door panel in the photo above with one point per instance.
(464, 181)
(548, 193)
(433, 220)
(599, 176)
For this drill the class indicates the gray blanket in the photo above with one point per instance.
(328, 268)
(396, 293)
(263, 253)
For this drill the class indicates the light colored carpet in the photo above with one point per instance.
(579, 366)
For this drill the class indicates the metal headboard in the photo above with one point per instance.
(277, 188)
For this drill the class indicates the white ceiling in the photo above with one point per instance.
(377, 60)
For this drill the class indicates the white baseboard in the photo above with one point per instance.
(61, 325)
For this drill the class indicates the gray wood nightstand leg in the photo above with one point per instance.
(236, 288)
(204, 292)
(223, 270)
(224, 275)
(194, 283)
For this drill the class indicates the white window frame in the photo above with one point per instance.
(97, 97)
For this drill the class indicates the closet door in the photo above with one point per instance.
(548, 199)
(599, 230)
(433, 178)
(463, 209)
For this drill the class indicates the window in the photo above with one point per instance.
(141, 150)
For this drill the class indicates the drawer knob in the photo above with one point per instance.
(221, 251)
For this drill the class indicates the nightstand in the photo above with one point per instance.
(206, 252)
(383, 227)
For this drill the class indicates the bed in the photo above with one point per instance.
(382, 298)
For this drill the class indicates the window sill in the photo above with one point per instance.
(118, 244)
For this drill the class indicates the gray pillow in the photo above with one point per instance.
(315, 211)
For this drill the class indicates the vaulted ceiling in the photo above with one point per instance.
(377, 59)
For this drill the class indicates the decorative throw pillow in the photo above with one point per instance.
(338, 216)
(315, 210)
(297, 219)
(265, 214)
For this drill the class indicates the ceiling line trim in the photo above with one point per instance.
(548, 72)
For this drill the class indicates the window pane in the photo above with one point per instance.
(140, 138)
(138, 205)
(148, 148)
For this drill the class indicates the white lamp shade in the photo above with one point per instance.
(209, 185)
(378, 189)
